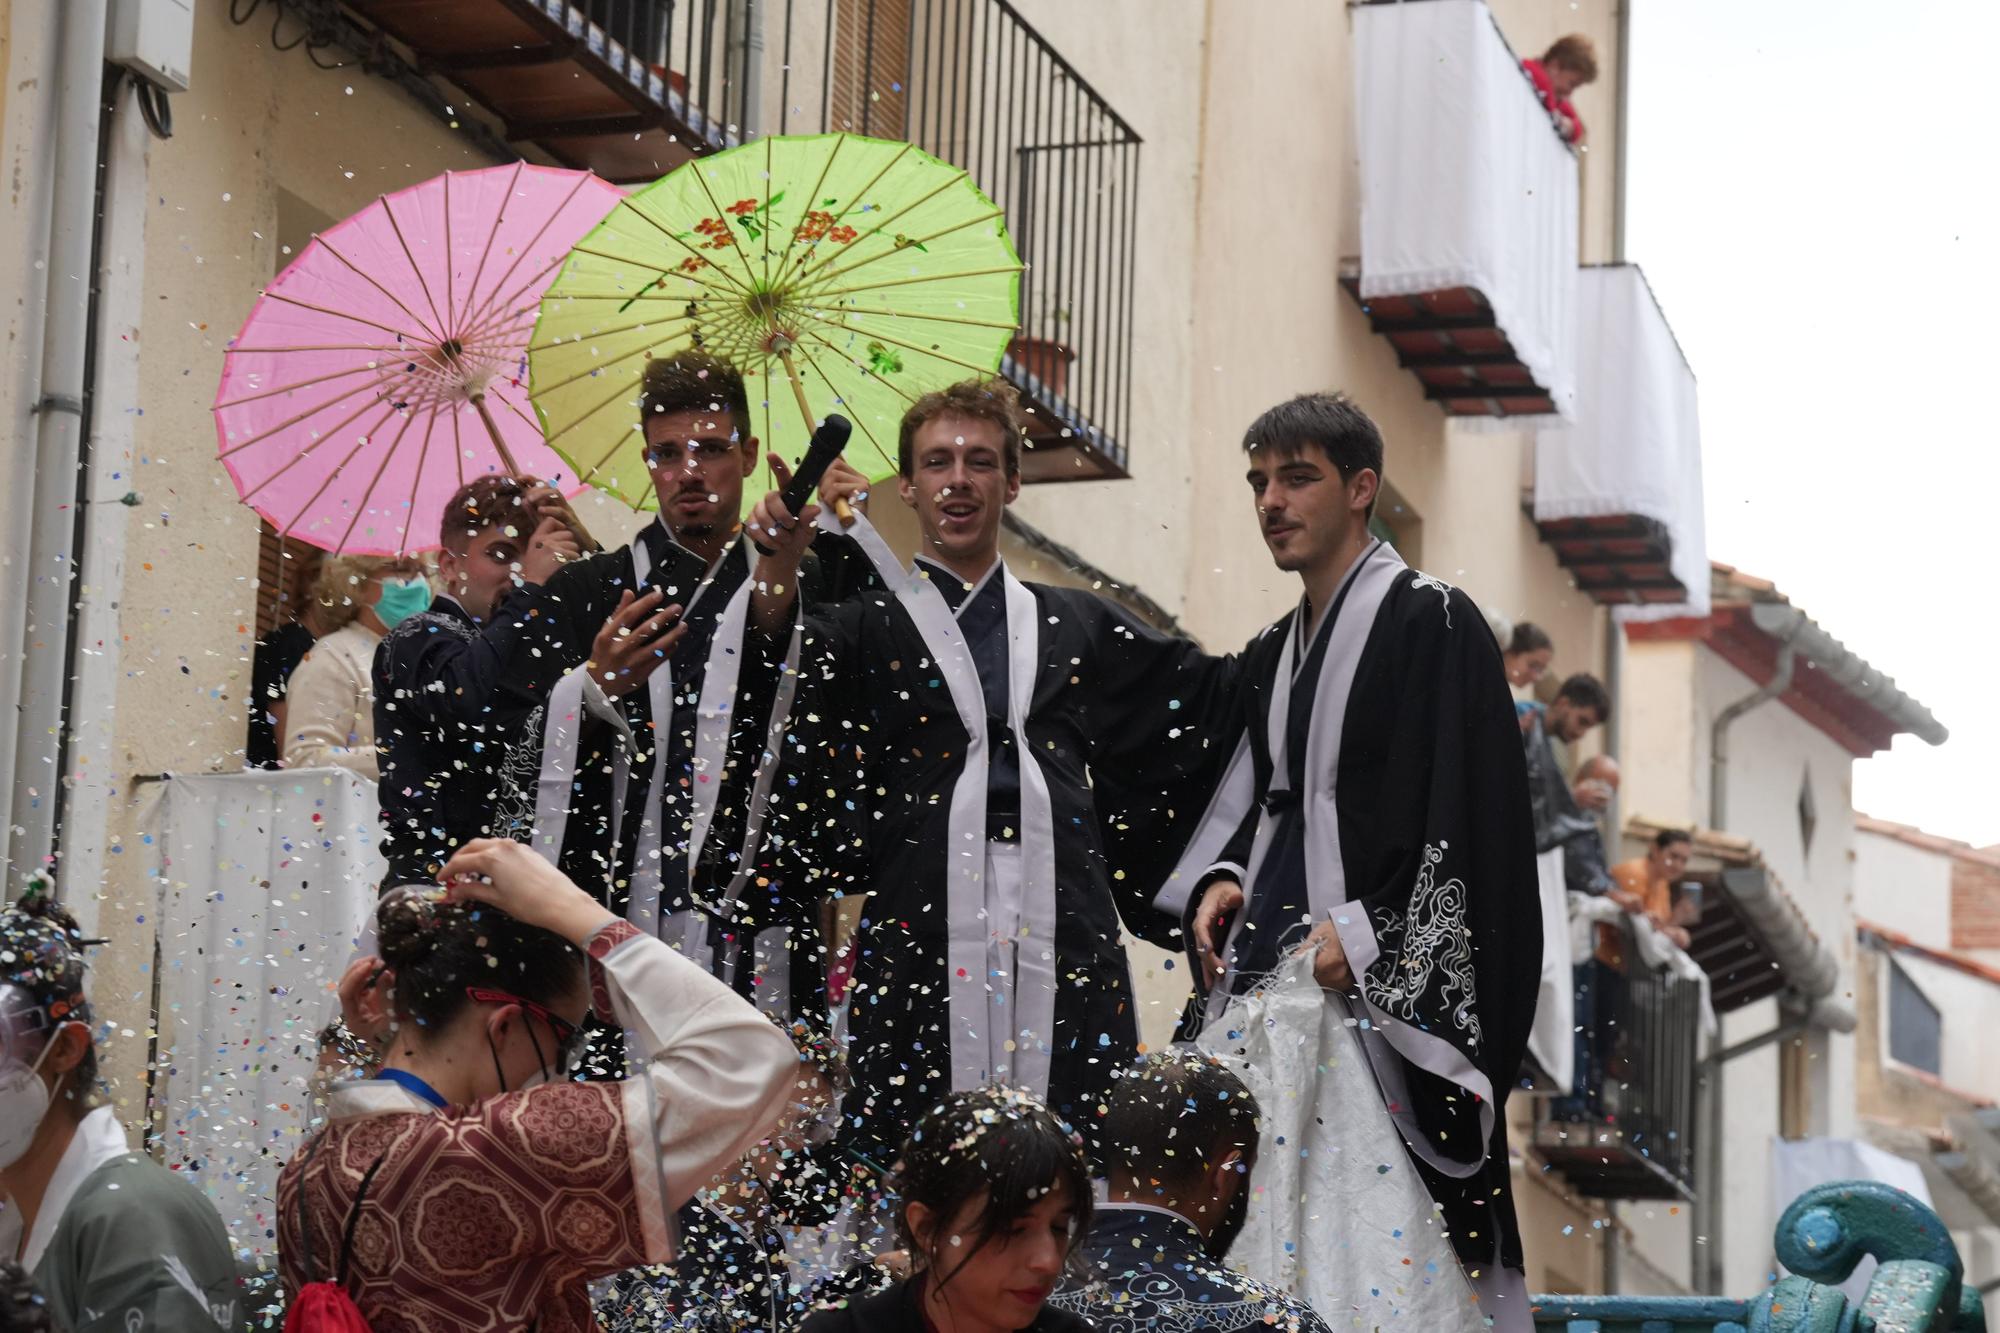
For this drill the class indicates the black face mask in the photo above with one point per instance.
(493, 1050)
(1230, 1225)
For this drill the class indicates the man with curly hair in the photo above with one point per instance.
(946, 749)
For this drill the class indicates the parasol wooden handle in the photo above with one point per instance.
(493, 429)
(841, 509)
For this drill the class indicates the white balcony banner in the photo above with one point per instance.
(1464, 181)
(1635, 445)
(264, 880)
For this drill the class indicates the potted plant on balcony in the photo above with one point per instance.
(1047, 359)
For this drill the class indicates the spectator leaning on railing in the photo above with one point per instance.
(1646, 883)
(1566, 66)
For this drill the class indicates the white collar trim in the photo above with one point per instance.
(98, 1139)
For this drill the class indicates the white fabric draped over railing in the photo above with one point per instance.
(1464, 181)
(1635, 446)
(264, 880)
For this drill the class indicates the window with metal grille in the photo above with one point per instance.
(1916, 1028)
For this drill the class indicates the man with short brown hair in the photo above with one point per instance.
(633, 790)
(455, 764)
(967, 719)
(1376, 816)
(1568, 64)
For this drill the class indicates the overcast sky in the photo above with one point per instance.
(1813, 199)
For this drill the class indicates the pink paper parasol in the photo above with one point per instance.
(387, 365)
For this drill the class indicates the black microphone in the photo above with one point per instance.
(827, 443)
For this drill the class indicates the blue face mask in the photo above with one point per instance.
(400, 599)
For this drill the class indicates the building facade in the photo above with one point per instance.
(1927, 990)
(1207, 195)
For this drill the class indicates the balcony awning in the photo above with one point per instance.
(1468, 211)
(1619, 493)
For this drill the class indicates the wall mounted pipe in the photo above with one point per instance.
(1718, 742)
(37, 787)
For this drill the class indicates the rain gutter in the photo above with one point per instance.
(60, 407)
(1843, 667)
(1718, 746)
(1622, 145)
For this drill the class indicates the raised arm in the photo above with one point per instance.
(715, 1072)
(782, 538)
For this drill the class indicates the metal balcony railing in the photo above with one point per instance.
(1627, 1129)
(972, 82)
(633, 88)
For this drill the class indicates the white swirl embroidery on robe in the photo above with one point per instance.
(1430, 938)
(1157, 1303)
(520, 769)
(1437, 585)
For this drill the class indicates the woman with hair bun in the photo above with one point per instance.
(994, 1198)
(112, 1239)
(470, 1184)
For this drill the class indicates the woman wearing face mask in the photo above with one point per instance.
(469, 1185)
(112, 1239)
(994, 1199)
(330, 704)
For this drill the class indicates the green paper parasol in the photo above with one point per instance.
(837, 273)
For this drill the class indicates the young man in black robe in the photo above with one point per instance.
(634, 793)
(460, 741)
(946, 734)
(1376, 810)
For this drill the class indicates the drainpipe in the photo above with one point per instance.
(1624, 138)
(59, 420)
(1614, 731)
(1707, 1201)
(753, 71)
(1718, 744)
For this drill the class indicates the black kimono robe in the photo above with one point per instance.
(650, 816)
(1394, 804)
(457, 737)
(885, 791)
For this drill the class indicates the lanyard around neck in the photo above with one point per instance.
(413, 1085)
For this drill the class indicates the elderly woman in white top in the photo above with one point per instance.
(330, 706)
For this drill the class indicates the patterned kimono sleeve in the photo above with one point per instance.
(715, 1078)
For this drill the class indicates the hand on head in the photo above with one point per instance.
(545, 501)
(558, 536)
(522, 883)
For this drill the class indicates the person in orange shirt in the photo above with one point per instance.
(1645, 885)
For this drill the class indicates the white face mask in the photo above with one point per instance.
(24, 1100)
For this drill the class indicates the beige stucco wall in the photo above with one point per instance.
(1247, 208)
(1243, 232)
(255, 125)
(1658, 743)
(1904, 887)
